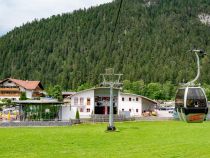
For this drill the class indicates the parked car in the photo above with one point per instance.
(171, 110)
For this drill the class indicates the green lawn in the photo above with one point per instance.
(168, 139)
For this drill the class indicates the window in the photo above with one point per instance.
(196, 98)
(137, 99)
(81, 101)
(179, 101)
(88, 110)
(123, 99)
(81, 109)
(75, 101)
(137, 110)
(122, 109)
(130, 110)
(129, 99)
(88, 101)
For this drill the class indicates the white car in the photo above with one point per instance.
(171, 110)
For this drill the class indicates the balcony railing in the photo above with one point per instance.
(10, 95)
(37, 94)
(9, 89)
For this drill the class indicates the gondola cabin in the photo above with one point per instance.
(191, 104)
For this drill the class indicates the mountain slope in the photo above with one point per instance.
(150, 43)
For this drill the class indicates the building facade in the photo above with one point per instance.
(12, 89)
(97, 101)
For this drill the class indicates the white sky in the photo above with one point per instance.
(16, 12)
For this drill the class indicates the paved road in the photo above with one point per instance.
(164, 113)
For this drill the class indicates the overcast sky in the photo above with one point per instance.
(16, 12)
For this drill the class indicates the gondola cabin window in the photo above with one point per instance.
(196, 98)
(180, 98)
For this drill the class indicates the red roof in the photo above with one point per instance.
(26, 84)
(30, 85)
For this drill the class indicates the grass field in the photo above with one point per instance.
(168, 139)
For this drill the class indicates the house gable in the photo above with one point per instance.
(13, 88)
(7, 83)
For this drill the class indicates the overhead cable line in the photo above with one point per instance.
(115, 25)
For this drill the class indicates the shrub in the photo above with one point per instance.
(77, 115)
(23, 96)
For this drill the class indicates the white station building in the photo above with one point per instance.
(97, 100)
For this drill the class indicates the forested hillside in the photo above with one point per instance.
(150, 44)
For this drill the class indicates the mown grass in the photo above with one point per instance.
(166, 139)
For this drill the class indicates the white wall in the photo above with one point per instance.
(85, 95)
(29, 93)
(128, 105)
(65, 113)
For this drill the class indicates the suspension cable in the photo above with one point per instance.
(115, 26)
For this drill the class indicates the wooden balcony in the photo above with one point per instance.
(9, 89)
(37, 94)
(10, 95)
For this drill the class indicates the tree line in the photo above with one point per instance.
(157, 91)
(153, 90)
(72, 49)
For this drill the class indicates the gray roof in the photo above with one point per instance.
(68, 93)
(94, 88)
(37, 102)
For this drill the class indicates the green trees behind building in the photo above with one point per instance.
(152, 90)
(165, 91)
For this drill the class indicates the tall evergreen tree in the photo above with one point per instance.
(71, 49)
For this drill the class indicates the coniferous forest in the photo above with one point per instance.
(150, 44)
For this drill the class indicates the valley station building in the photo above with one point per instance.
(97, 100)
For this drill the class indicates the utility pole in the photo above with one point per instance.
(112, 80)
